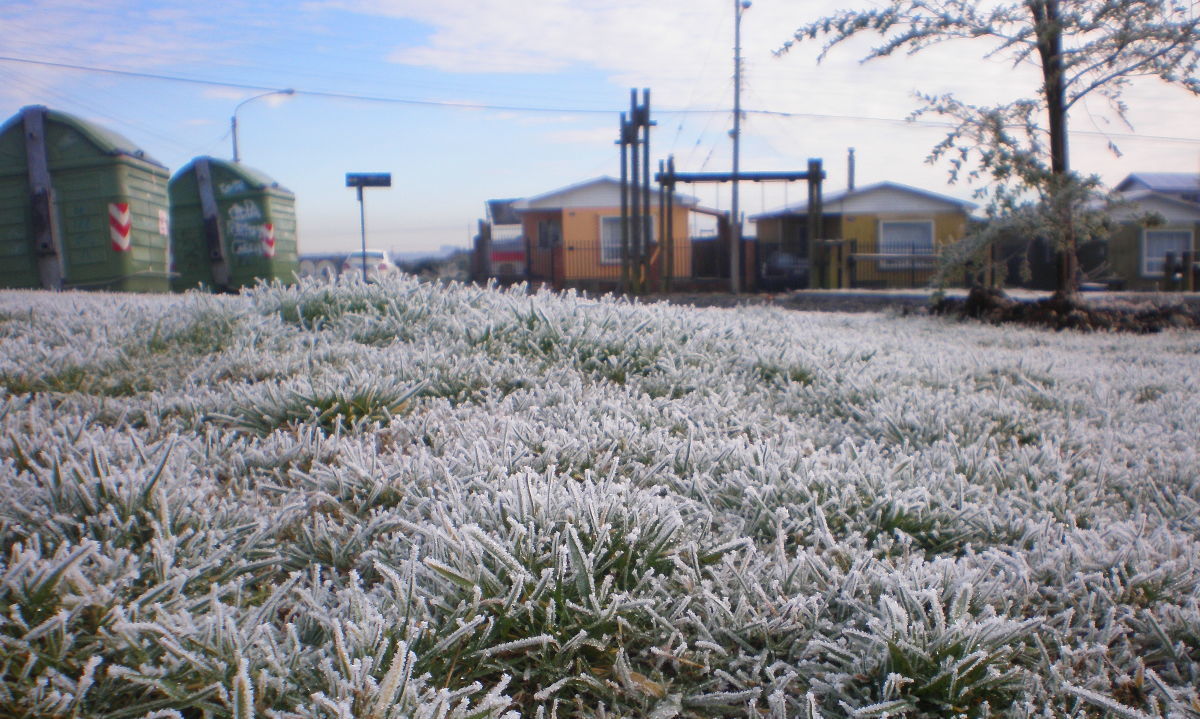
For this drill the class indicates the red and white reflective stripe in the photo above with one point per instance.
(119, 225)
(268, 240)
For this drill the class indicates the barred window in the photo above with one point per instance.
(610, 238)
(1157, 244)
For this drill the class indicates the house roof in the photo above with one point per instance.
(500, 212)
(1168, 182)
(1172, 207)
(596, 192)
(862, 201)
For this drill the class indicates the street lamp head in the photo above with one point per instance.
(252, 98)
(233, 127)
(745, 4)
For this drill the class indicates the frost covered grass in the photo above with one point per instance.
(405, 500)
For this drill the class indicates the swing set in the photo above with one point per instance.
(668, 178)
(637, 259)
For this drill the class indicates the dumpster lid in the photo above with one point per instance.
(254, 179)
(105, 140)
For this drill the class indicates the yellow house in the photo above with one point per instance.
(885, 235)
(573, 236)
(1160, 255)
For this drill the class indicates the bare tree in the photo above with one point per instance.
(1083, 47)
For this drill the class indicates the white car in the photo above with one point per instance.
(378, 264)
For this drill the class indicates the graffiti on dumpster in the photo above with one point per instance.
(244, 211)
(232, 187)
(245, 228)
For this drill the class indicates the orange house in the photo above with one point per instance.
(573, 236)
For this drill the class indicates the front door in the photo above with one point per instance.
(549, 242)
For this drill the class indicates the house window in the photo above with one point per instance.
(610, 239)
(1156, 244)
(908, 237)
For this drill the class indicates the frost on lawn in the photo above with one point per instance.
(406, 500)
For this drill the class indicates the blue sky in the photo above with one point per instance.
(554, 75)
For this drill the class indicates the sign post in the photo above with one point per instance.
(359, 180)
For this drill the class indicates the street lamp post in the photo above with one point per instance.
(735, 252)
(233, 120)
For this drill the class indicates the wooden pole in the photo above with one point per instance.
(664, 240)
(635, 196)
(813, 225)
(624, 204)
(669, 234)
(645, 221)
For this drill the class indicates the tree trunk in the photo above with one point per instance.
(1049, 39)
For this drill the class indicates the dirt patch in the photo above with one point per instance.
(1141, 313)
(805, 300)
(1143, 317)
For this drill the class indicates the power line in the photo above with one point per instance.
(310, 93)
(535, 108)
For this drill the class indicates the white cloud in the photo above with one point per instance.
(536, 120)
(682, 49)
(590, 137)
(619, 36)
(232, 94)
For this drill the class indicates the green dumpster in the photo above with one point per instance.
(80, 207)
(230, 227)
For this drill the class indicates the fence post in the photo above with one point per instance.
(852, 264)
(840, 275)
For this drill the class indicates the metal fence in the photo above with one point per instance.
(913, 267)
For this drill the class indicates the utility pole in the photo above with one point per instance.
(735, 250)
(626, 131)
(665, 252)
(647, 228)
(636, 229)
(635, 193)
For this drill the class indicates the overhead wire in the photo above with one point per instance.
(708, 55)
(535, 108)
(45, 90)
(361, 97)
